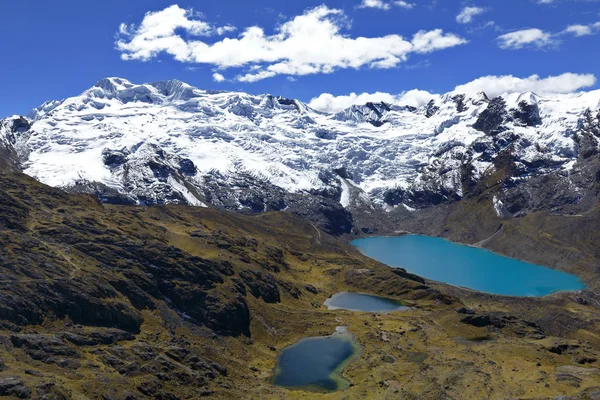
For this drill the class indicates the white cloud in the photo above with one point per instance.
(311, 43)
(539, 39)
(217, 77)
(221, 30)
(382, 5)
(557, 1)
(430, 41)
(492, 85)
(385, 5)
(468, 13)
(564, 1)
(527, 37)
(404, 4)
(583, 30)
(560, 84)
(327, 102)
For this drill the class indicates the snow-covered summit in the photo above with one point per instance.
(170, 142)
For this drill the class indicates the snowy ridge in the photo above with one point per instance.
(169, 142)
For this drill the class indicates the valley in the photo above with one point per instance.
(189, 302)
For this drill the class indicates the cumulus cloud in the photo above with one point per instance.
(217, 77)
(538, 38)
(311, 43)
(162, 24)
(526, 38)
(583, 30)
(492, 85)
(327, 102)
(468, 13)
(560, 84)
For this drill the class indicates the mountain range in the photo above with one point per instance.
(169, 142)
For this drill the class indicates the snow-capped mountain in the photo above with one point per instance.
(168, 142)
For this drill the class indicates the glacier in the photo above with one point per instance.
(169, 142)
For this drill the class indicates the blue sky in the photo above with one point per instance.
(52, 50)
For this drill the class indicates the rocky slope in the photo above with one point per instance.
(167, 142)
(169, 302)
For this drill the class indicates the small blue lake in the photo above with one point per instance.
(363, 302)
(315, 363)
(474, 268)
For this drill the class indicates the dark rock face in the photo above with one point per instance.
(420, 197)
(187, 167)
(563, 348)
(12, 386)
(52, 391)
(261, 285)
(97, 337)
(393, 197)
(332, 190)
(500, 321)
(325, 134)
(588, 135)
(377, 124)
(256, 196)
(491, 120)
(48, 349)
(337, 219)
(343, 173)
(114, 158)
(527, 114)
(160, 171)
(459, 99)
(104, 193)
(285, 102)
(432, 109)
(20, 125)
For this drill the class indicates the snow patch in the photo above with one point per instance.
(345, 198)
(499, 207)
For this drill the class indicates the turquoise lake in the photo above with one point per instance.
(363, 302)
(474, 268)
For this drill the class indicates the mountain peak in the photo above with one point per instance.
(175, 89)
(113, 84)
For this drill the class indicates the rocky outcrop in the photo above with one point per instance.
(509, 323)
(527, 114)
(492, 120)
(13, 386)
